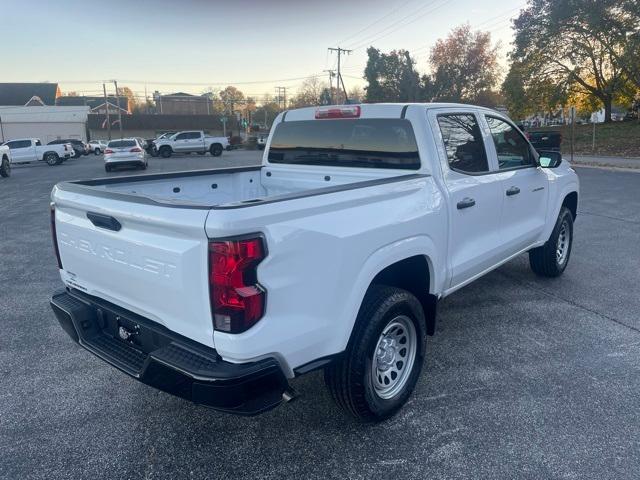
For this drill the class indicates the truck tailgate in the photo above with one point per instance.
(154, 264)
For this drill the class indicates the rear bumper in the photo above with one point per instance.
(167, 361)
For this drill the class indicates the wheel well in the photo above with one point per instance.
(412, 274)
(216, 144)
(50, 152)
(571, 202)
(164, 147)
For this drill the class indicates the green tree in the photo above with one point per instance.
(391, 77)
(464, 65)
(580, 45)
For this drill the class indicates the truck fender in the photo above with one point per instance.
(382, 258)
(557, 201)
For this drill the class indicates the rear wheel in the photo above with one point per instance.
(5, 168)
(552, 258)
(383, 360)
(52, 159)
(165, 152)
(97, 151)
(216, 149)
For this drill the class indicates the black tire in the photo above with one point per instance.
(77, 154)
(165, 152)
(216, 149)
(107, 168)
(350, 380)
(52, 159)
(97, 151)
(5, 168)
(551, 259)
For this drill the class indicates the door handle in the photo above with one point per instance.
(513, 191)
(466, 203)
(104, 221)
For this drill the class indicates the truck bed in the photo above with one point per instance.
(228, 187)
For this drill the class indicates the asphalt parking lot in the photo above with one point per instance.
(525, 377)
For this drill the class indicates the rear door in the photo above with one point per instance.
(524, 185)
(195, 142)
(474, 194)
(146, 258)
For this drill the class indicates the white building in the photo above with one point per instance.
(44, 122)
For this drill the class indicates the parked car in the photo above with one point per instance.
(97, 146)
(545, 139)
(25, 150)
(126, 152)
(80, 148)
(5, 161)
(262, 141)
(220, 286)
(190, 142)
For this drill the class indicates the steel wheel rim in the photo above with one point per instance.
(562, 245)
(394, 357)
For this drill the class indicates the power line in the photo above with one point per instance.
(399, 24)
(375, 22)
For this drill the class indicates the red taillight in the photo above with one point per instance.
(54, 235)
(351, 111)
(136, 149)
(237, 300)
(108, 150)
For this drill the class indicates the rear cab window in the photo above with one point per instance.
(122, 144)
(367, 143)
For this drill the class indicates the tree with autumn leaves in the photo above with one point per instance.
(463, 68)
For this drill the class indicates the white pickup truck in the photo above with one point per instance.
(5, 161)
(26, 150)
(190, 142)
(222, 285)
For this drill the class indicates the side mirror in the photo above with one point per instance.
(550, 159)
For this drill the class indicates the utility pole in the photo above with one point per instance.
(106, 107)
(115, 83)
(1, 129)
(282, 93)
(339, 79)
(332, 74)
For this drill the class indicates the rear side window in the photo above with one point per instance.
(463, 143)
(122, 143)
(369, 143)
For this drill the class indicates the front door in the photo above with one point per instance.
(524, 186)
(474, 194)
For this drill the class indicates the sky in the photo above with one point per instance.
(196, 45)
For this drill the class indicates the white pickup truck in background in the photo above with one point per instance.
(220, 286)
(190, 142)
(26, 150)
(5, 161)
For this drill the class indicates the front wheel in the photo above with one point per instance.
(165, 152)
(5, 168)
(96, 151)
(383, 360)
(552, 258)
(216, 149)
(52, 159)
